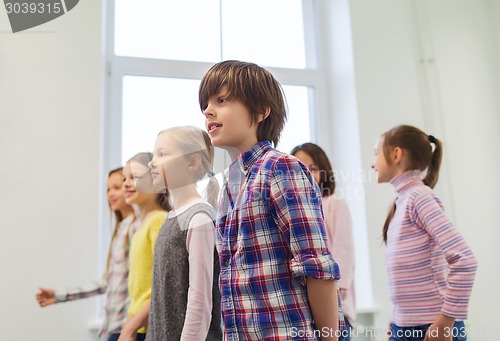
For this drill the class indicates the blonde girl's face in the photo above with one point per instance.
(307, 160)
(137, 183)
(385, 170)
(169, 167)
(115, 193)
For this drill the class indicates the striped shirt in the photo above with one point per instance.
(430, 267)
(114, 283)
(270, 236)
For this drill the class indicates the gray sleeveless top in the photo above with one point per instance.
(171, 280)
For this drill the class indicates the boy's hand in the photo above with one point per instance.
(45, 297)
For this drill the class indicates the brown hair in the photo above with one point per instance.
(162, 199)
(327, 177)
(417, 146)
(255, 87)
(118, 220)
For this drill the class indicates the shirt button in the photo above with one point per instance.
(226, 262)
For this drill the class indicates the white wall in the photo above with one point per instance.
(452, 95)
(466, 62)
(50, 95)
(387, 84)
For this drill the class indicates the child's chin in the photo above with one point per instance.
(159, 187)
(214, 141)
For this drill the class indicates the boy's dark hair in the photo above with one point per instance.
(252, 85)
(327, 184)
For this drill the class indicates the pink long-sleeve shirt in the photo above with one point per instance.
(340, 241)
(430, 267)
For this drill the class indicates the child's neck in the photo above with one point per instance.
(233, 153)
(127, 212)
(146, 208)
(183, 195)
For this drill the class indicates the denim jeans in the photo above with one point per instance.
(114, 337)
(417, 333)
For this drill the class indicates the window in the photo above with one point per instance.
(212, 30)
(158, 50)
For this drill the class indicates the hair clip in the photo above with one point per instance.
(432, 139)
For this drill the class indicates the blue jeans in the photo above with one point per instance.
(418, 333)
(114, 337)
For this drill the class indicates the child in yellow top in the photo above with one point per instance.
(151, 209)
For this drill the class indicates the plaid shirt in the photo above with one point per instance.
(270, 237)
(114, 283)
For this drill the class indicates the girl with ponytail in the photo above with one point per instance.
(430, 267)
(114, 282)
(185, 299)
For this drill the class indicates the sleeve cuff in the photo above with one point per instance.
(61, 297)
(321, 267)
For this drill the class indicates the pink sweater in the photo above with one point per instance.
(341, 243)
(430, 267)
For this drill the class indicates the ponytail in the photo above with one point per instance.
(432, 175)
(212, 190)
(390, 215)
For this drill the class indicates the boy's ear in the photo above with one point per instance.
(264, 115)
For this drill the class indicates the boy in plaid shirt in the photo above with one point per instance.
(277, 277)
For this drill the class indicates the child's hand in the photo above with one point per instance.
(45, 297)
(437, 333)
(441, 330)
(127, 334)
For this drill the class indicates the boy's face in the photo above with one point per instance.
(229, 123)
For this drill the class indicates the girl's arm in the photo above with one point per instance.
(428, 213)
(133, 324)
(323, 300)
(200, 244)
(47, 296)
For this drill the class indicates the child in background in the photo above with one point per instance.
(277, 277)
(114, 283)
(185, 300)
(430, 267)
(151, 208)
(338, 225)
